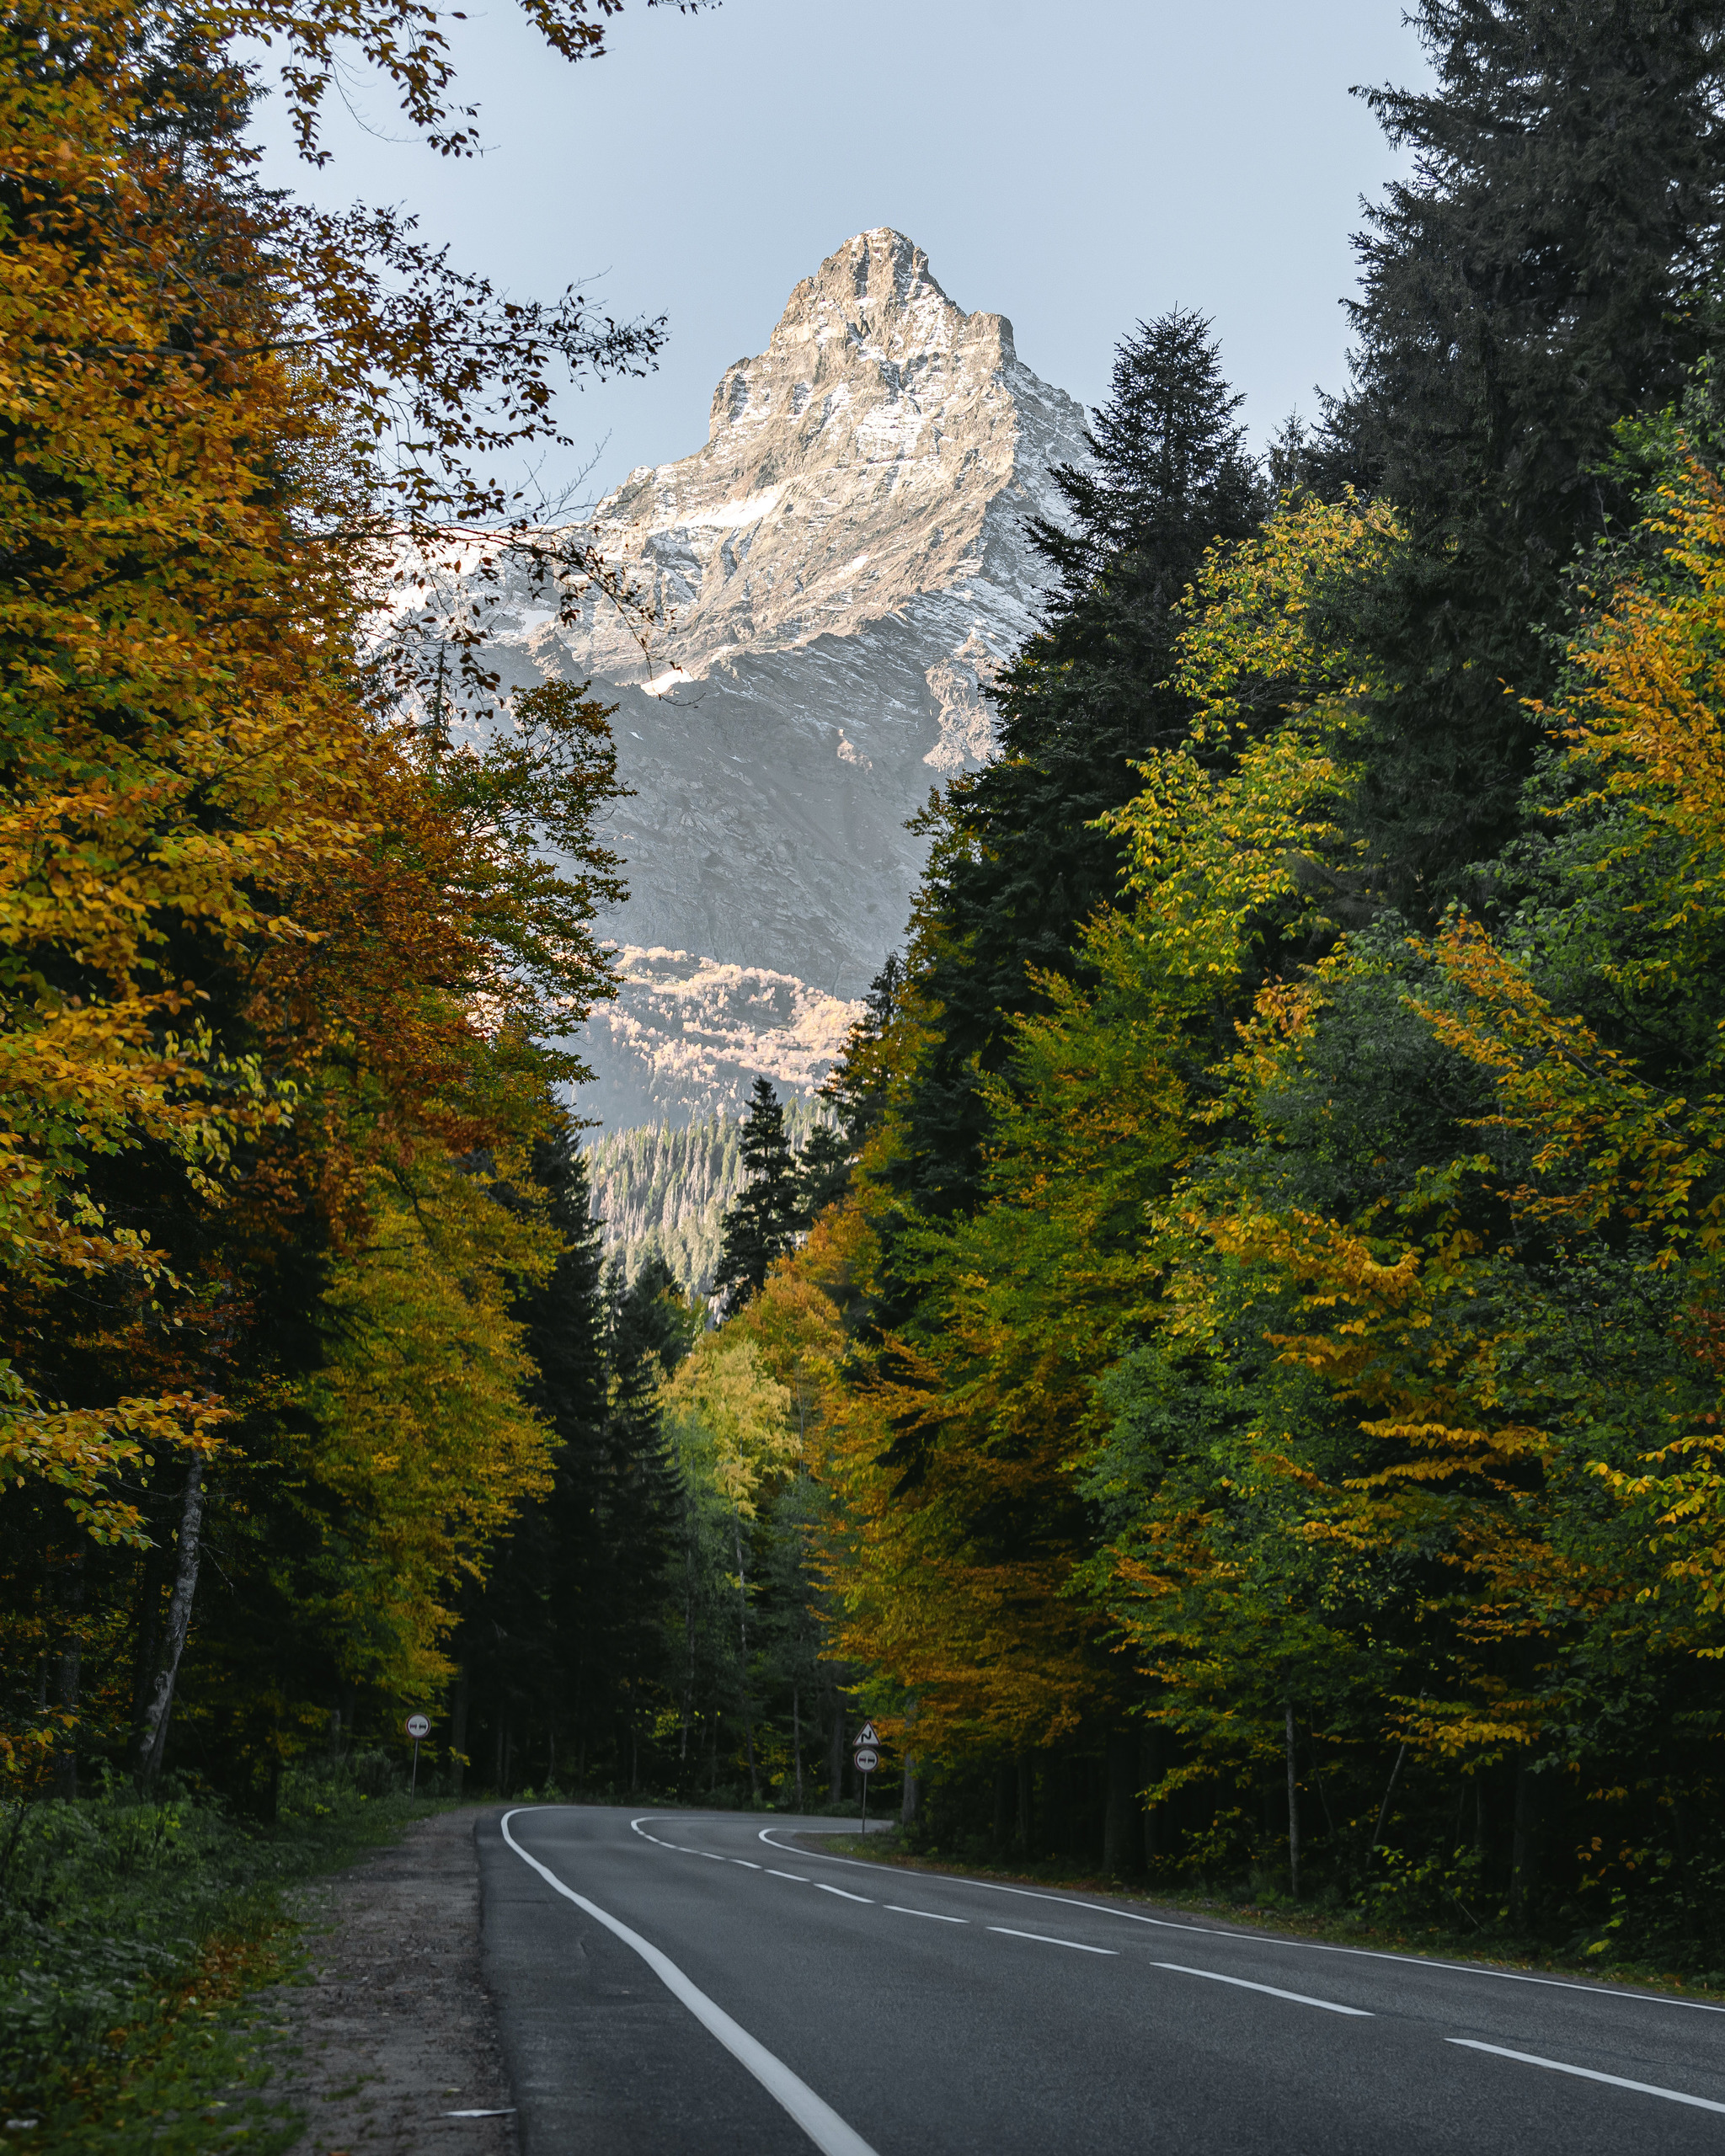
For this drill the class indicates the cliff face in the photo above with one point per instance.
(837, 570)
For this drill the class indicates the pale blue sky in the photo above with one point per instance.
(1072, 166)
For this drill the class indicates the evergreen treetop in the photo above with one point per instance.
(767, 1216)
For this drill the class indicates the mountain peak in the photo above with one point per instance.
(837, 572)
(873, 308)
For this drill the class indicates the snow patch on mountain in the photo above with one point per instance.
(838, 572)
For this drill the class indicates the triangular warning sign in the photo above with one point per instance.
(867, 1735)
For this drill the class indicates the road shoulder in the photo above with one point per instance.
(392, 2028)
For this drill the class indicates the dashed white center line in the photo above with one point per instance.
(841, 1894)
(934, 1916)
(797, 1875)
(745, 1862)
(1588, 2073)
(1274, 1991)
(1043, 1938)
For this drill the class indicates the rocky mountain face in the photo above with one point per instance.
(836, 572)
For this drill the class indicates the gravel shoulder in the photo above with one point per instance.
(391, 2029)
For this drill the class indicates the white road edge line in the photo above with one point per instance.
(934, 1916)
(818, 2120)
(1043, 1940)
(1588, 2073)
(1269, 1938)
(1298, 1997)
(865, 1899)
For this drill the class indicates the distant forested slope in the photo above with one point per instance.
(662, 1189)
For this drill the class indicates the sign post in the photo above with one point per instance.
(867, 1759)
(417, 1727)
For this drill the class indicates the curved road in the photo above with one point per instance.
(689, 1982)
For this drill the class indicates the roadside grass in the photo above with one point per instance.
(134, 1940)
(1328, 1923)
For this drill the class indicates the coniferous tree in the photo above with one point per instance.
(649, 1333)
(767, 1215)
(520, 1643)
(1017, 863)
(1547, 269)
(854, 1091)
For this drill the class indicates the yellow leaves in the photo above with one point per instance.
(421, 1430)
(1251, 640)
(79, 1450)
(723, 1408)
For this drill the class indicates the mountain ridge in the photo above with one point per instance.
(838, 570)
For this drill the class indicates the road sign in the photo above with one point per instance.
(867, 1734)
(418, 1727)
(868, 1759)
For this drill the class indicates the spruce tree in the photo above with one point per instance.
(1547, 269)
(764, 1219)
(649, 1333)
(1017, 865)
(525, 1637)
(854, 1091)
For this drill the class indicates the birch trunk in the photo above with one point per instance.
(150, 1739)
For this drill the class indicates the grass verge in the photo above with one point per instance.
(134, 1940)
(1326, 1924)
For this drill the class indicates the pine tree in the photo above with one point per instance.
(767, 1215)
(1016, 863)
(1547, 269)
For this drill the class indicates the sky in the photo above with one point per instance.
(1075, 166)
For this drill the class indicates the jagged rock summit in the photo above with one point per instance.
(850, 469)
(837, 570)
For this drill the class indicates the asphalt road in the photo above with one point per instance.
(688, 1981)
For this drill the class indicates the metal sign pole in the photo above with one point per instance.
(865, 1804)
(417, 1726)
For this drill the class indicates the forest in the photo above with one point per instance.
(1229, 1379)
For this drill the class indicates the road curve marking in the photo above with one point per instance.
(823, 1888)
(1588, 2074)
(1300, 1998)
(1043, 1938)
(1271, 1939)
(818, 2119)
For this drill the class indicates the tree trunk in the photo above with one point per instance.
(1149, 1769)
(796, 1740)
(688, 1628)
(1377, 1832)
(836, 1752)
(1026, 1803)
(743, 1636)
(1004, 1786)
(1119, 1816)
(1293, 1809)
(71, 1604)
(149, 1738)
(458, 1727)
(1521, 1842)
(907, 1799)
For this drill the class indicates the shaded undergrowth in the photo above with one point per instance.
(133, 1936)
(1328, 1918)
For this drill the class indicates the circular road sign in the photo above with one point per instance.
(868, 1759)
(418, 1727)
